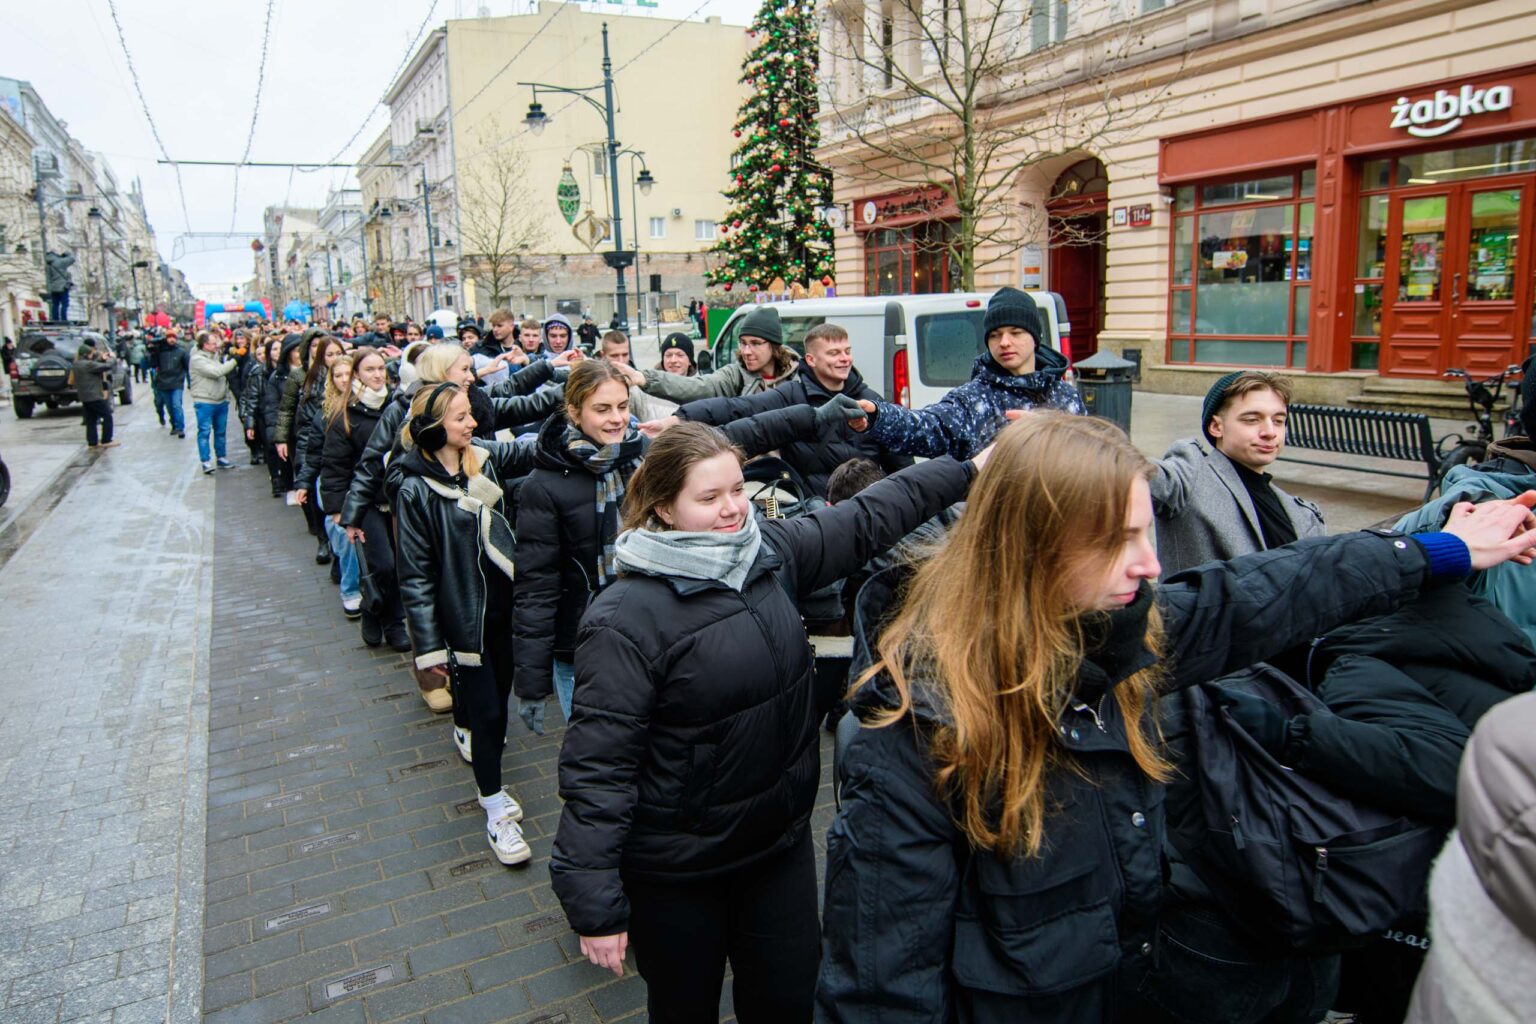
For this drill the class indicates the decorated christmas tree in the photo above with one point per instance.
(771, 231)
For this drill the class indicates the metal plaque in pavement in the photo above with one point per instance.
(469, 867)
(282, 801)
(328, 842)
(353, 983)
(298, 915)
(419, 768)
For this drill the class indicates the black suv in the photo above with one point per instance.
(44, 358)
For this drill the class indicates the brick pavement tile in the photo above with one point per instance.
(300, 970)
(565, 982)
(488, 1008)
(272, 1009)
(400, 939)
(421, 993)
(117, 992)
(509, 967)
(455, 952)
(252, 955)
(624, 996)
(329, 931)
(227, 991)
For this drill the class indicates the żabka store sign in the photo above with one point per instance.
(1446, 110)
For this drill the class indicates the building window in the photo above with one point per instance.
(658, 227)
(915, 260)
(1240, 283)
(703, 231)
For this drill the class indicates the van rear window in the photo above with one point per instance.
(947, 345)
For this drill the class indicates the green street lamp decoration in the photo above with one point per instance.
(568, 195)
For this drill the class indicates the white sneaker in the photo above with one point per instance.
(461, 740)
(507, 840)
(207, 468)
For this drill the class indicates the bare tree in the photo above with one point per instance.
(501, 221)
(964, 95)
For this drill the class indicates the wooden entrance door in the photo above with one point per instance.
(1077, 273)
(1458, 278)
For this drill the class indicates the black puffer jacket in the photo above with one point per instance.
(443, 550)
(509, 408)
(833, 445)
(247, 385)
(917, 926)
(692, 749)
(273, 385)
(172, 366)
(559, 542)
(309, 436)
(344, 444)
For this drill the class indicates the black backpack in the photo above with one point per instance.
(1289, 859)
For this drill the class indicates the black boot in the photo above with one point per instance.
(336, 571)
(373, 630)
(323, 553)
(399, 639)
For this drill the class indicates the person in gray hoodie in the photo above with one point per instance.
(1482, 894)
(210, 398)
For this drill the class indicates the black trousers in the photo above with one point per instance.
(379, 553)
(761, 918)
(280, 470)
(94, 412)
(480, 696)
(314, 519)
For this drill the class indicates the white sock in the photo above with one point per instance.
(496, 806)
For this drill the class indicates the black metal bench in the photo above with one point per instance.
(1369, 432)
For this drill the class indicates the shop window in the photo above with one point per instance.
(1493, 245)
(1422, 258)
(1367, 310)
(1371, 244)
(914, 260)
(1240, 281)
(1449, 165)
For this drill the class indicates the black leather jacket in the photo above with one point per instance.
(442, 553)
(344, 444)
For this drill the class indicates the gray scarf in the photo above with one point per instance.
(724, 557)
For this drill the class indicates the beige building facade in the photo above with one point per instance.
(457, 112)
(1339, 188)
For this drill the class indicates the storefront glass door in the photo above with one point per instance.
(1454, 277)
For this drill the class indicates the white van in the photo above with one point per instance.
(911, 348)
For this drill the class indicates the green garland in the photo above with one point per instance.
(771, 230)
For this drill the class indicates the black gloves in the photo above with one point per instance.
(839, 409)
(1258, 718)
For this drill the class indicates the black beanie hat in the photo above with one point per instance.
(1009, 307)
(1212, 401)
(762, 322)
(681, 341)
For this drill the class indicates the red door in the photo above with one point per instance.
(1456, 279)
(1077, 273)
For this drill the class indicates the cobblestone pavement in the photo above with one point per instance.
(103, 732)
(348, 874)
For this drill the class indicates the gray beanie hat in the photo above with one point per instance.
(762, 322)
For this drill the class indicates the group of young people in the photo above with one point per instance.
(1013, 796)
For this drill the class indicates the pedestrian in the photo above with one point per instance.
(138, 358)
(286, 362)
(1015, 370)
(1218, 504)
(345, 570)
(565, 556)
(411, 331)
(348, 426)
(762, 360)
(307, 434)
(210, 399)
(558, 334)
(172, 367)
(530, 335)
(997, 855)
(495, 356)
(677, 355)
(93, 374)
(1482, 902)
(690, 766)
(456, 550)
(253, 366)
(614, 348)
(587, 334)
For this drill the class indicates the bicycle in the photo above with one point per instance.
(1482, 395)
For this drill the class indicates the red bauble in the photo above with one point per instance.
(784, 122)
(826, 281)
(735, 223)
(727, 286)
(775, 168)
(753, 288)
(737, 133)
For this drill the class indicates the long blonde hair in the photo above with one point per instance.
(433, 364)
(434, 413)
(991, 618)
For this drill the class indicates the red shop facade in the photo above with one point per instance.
(1390, 233)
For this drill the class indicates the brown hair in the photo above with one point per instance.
(828, 332)
(586, 377)
(782, 362)
(661, 476)
(500, 316)
(317, 367)
(335, 398)
(611, 338)
(852, 477)
(1054, 495)
(345, 399)
(1250, 381)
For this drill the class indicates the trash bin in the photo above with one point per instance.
(1104, 380)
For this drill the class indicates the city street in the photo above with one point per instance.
(219, 802)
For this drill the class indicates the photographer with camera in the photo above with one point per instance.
(93, 380)
(210, 369)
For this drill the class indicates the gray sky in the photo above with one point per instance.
(328, 63)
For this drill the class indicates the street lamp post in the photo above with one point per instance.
(106, 288)
(645, 183)
(426, 206)
(537, 119)
(362, 236)
(133, 271)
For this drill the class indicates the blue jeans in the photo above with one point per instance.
(565, 685)
(211, 417)
(346, 554)
(170, 401)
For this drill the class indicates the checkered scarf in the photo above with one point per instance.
(611, 465)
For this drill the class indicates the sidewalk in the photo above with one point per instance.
(348, 873)
(104, 733)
